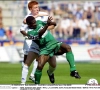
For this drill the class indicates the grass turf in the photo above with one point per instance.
(11, 73)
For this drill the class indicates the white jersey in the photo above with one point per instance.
(27, 42)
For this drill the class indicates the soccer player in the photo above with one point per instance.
(34, 51)
(49, 46)
(26, 46)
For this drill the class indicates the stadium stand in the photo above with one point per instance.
(78, 31)
(13, 14)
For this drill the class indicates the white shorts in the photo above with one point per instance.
(30, 45)
(26, 46)
(34, 48)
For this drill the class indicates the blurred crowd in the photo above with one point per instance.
(5, 33)
(75, 20)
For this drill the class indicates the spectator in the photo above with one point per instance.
(57, 9)
(2, 33)
(72, 7)
(75, 29)
(78, 13)
(64, 27)
(97, 14)
(98, 32)
(90, 14)
(84, 25)
(88, 4)
(92, 33)
(9, 33)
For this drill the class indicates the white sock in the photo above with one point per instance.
(35, 63)
(22, 63)
(51, 70)
(24, 73)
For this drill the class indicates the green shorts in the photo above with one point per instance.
(50, 48)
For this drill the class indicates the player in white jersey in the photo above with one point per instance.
(26, 46)
(34, 51)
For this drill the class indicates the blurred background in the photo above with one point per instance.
(78, 24)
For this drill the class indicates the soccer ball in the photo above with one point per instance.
(92, 81)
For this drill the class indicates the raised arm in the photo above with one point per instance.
(49, 23)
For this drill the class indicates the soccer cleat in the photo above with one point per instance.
(75, 74)
(32, 78)
(51, 77)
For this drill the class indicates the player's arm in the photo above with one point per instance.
(39, 15)
(49, 22)
(22, 29)
(52, 26)
(23, 32)
(42, 31)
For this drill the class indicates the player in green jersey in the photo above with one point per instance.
(49, 46)
(31, 49)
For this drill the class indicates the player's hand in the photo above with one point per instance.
(49, 20)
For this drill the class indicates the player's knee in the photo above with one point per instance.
(40, 66)
(68, 48)
(53, 65)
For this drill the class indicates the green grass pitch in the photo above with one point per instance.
(11, 73)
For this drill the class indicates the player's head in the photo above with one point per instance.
(33, 6)
(31, 22)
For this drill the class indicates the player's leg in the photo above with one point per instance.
(52, 67)
(25, 56)
(41, 62)
(26, 46)
(64, 48)
(32, 77)
(31, 56)
(34, 48)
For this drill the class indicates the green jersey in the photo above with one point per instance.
(47, 43)
(46, 37)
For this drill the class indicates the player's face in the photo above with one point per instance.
(35, 9)
(33, 24)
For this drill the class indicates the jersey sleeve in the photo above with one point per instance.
(23, 27)
(44, 19)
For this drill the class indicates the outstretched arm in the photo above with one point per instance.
(39, 15)
(49, 22)
(42, 31)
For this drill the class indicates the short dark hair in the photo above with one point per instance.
(29, 20)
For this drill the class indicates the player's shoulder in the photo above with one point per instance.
(39, 21)
(28, 15)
